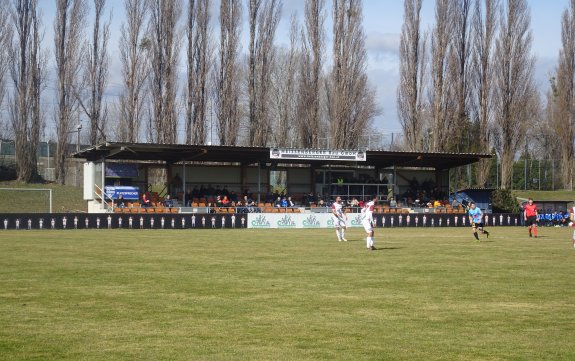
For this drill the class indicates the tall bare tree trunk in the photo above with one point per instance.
(96, 62)
(484, 27)
(566, 96)
(409, 97)
(134, 70)
(5, 57)
(68, 33)
(351, 101)
(28, 71)
(515, 94)
(313, 40)
(261, 65)
(227, 75)
(461, 140)
(199, 62)
(442, 102)
(164, 52)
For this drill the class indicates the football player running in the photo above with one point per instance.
(368, 223)
(476, 219)
(339, 218)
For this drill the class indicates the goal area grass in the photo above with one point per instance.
(425, 294)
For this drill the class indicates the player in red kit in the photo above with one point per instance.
(530, 214)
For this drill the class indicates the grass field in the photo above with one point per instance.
(561, 195)
(64, 199)
(433, 294)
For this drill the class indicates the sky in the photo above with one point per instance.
(382, 26)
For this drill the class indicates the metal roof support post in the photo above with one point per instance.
(103, 183)
(259, 181)
(449, 181)
(394, 185)
(184, 183)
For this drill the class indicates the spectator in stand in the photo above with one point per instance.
(168, 202)
(145, 200)
(392, 202)
(278, 202)
(284, 202)
(233, 197)
(290, 202)
(218, 202)
(120, 201)
(308, 199)
(436, 203)
(225, 201)
(248, 202)
(321, 203)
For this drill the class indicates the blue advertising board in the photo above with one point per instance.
(127, 192)
(121, 170)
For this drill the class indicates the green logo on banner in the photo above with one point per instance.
(286, 222)
(311, 222)
(260, 222)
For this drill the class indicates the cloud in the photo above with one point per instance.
(382, 46)
(385, 82)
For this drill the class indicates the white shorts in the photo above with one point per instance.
(338, 223)
(367, 225)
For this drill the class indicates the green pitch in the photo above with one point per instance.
(427, 294)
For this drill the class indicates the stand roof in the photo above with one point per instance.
(174, 153)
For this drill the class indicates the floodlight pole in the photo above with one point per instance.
(50, 192)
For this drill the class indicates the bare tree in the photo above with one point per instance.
(261, 66)
(441, 92)
(28, 76)
(514, 91)
(284, 90)
(310, 69)
(564, 123)
(68, 33)
(95, 62)
(253, 13)
(484, 27)
(164, 46)
(351, 101)
(133, 45)
(227, 75)
(411, 63)
(5, 54)
(460, 72)
(199, 62)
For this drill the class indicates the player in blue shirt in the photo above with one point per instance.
(476, 220)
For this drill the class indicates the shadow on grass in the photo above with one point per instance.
(386, 248)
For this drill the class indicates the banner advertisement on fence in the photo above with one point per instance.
(238, 220)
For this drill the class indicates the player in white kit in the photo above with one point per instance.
(367, 221)
(571, 222)
(339, 218)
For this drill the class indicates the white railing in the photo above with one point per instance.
(102, 198)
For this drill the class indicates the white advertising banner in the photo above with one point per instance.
(298, 220)
(318, 154)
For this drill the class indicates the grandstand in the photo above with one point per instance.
(310, 176)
